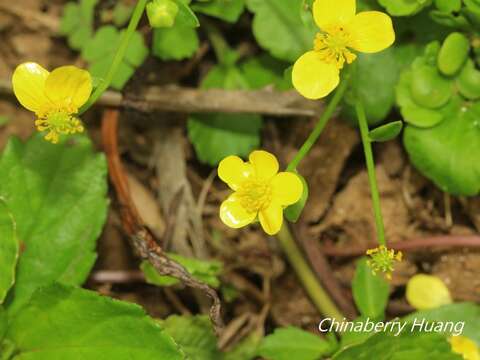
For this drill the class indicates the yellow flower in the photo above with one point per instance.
(259, 191)
(382, 260)
(317, 72)
(427, 292)
(464, 346)
(54, 97)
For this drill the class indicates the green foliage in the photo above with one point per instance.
(453, 53)
(280, 28)
(404, 7)
(9, 250)
(443, 134)
(101, 49)
(246, 349)
(386, 132)
(57, 196)
(64, 322)
(3, 324)
(293, 212)
(205, 271)
(227, 10)
(121, 13)
(264, 70)
(408, 345)
(77, 22)
(216, 136)
(194, 335)
(461, 312)
(370, 291)
(293, 343)
(373, 82)
(175, 43)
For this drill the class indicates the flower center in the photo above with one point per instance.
(332, 46)
(58, 122)
(255, 195)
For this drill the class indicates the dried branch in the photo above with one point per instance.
(141, 239)
(451, 241)
(186, 100)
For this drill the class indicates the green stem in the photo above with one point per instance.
(372, 178)
(315, 134)
(117, 60)
(310, 282)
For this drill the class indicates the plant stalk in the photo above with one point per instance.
(372, 177)
(310, 282)
(119, 55)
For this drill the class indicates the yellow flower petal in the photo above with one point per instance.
(287, 188)
(271, 218)
(333, 12)
(427, 292)
(28, 82)
(233, 171)
(464, 346)
(265, 164)
(313, 78)
(69, 86)
(371, 32)
(233, 214)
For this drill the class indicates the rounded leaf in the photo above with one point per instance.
(429, 88)
(468, 81)
(453, 53)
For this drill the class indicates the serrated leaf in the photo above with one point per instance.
(408, 345)
(194, 335)
(380, 72)
(293, 343)
(101, 49)
(278, 27)
(386, 132)
(216, 136)
(370, 291)
(448, 153)
(9, 250)
(57, 196)
(77, 22)
(205, 271)
(175, 43)
(293, 212)
(64, 322)
(227, 10)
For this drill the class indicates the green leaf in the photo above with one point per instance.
(185, 17)
(3, 323)
(265, 70)
(453, 54)
(175, 43)
(429, 88)
(227, 10)
(100, 51)
(448, 5)
(293, 212)
(293, 343)
(194, 335)
(448, 153)
(9, 250)
(386, 132)
(57, 196)
(278, 27)
(468, 82)
(4, 120)
(468, 313)
(122, 13)
(370, 291)
(380, 72)
(408, 345)
(77, 22)
(354, 337)
(404, 7)
(245, 349)
(63, 322)
(216, 136)
(205, 271)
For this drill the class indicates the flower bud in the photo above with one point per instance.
(162, 13)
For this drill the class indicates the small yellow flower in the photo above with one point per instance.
(259, 191)
(465, 347)
(317, 72)
(382, 260)
(54, 97)
(427, 292)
